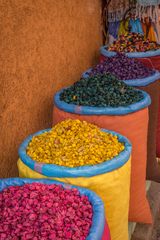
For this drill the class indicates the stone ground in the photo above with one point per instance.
(150, 232)
(156, 231)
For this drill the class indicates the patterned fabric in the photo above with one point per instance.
(148, 2)
(136, 26)
(117, 9)
(150, 9)
(123, 28)
(113, 29)
(152, 12)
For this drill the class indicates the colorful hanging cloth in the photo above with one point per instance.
(148, 8)
(135, 26)
(123, 27)
(149, 31)
(148, 2)
(116, 10)
(113, 29)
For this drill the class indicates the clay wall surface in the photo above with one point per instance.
(44, 46)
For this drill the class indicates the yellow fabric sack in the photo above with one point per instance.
(110, 180)
(112, 187)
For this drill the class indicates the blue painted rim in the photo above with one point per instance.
(87, 110)
(139, 82)
(106, 53)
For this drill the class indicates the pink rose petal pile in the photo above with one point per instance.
(39, 211)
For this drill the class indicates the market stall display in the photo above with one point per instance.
(97, 91)
(132, 45)
(72, 143)
(124, 68)
(135, 73)
(46, 209)
(131, 120)
(133, 42)
(85, 178)
(106, 178)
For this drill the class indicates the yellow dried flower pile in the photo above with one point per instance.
(74, 143)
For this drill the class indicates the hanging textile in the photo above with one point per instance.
(123, 27)
(149, 9)
(145, 8)
(149, 30)
(148, 2)
(113, 31)
(135, 26)
(116, 10)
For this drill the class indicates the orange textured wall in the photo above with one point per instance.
(44, 45)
